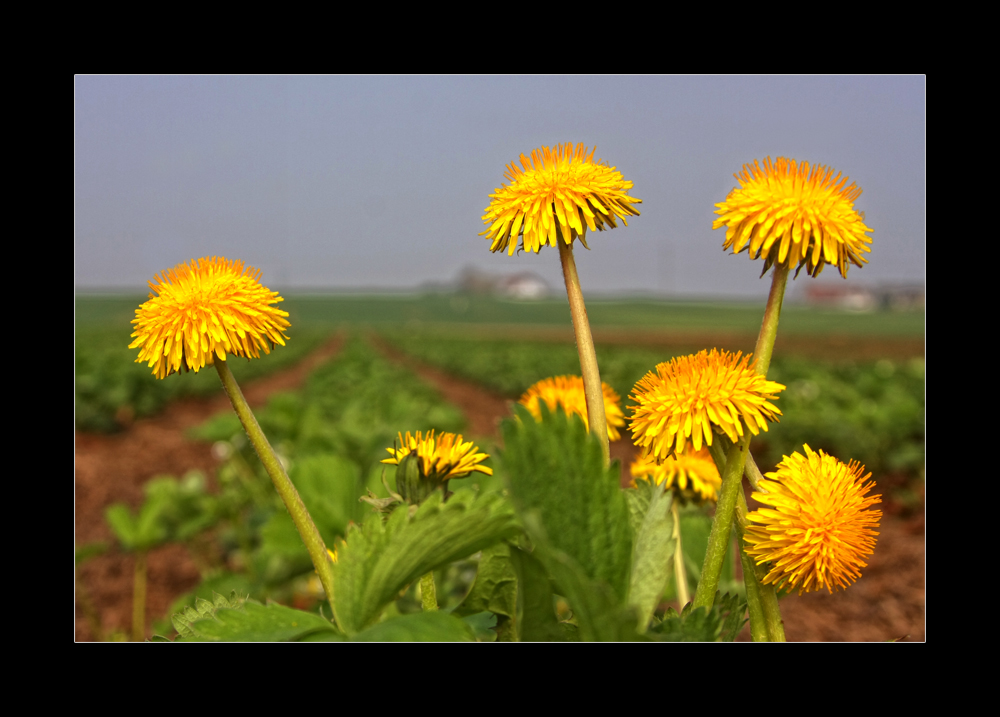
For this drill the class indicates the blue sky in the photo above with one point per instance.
(381, 182)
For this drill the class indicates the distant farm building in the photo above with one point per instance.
(896, 297)
(523, 286)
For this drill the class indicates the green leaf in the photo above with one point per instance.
(651, 555)
(379, 560)
(119, 519)
(253, 622)
(700, 625)
(723, 621)
(330, 487)
(90, 550)
(565, 495)
(433, 626)
(536, 618)
(202, 608)
(495, 588)
(733, 608)
(482, 625)
(576, 516)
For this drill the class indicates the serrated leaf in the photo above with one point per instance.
(576, 516)
(565, 495)
(733, 608)
(651, 555)
(700, 625)
(202, 609)
(254, 622)
(432, 626)
(378, 560)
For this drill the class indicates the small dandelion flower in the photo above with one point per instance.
(560, 194)
(441, 458)
(204, 310)
(568, 392)
(795, 216)
(818, 527)
(692, 468)
(689, 397)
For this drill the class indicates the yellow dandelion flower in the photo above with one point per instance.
(441, 458)
(568, 392)
(691, 467)
(559, 193)
(203, 310)
(791, 214)
(689, 396)
(818, 528)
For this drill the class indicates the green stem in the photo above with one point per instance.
(282, 483)
(680, 573)
(585, 347)
(428, 592)
(722, 525)
(769, 326)
(758, 622)
(139, 597)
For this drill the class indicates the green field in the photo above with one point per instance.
(456, 311)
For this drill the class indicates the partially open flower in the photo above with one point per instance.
(441, 458)
(792, 215)
(559, 195)
(692, 475)
(818, 528)
(690, 397)
(567, 391)
(204, 310)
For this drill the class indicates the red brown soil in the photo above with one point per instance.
(113, 468)
(886, 603)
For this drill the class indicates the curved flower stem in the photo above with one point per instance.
(680, 573)
(428, 592)
(585, 347)
(722, 525)
(282, 483)
(769, 326)
(139, 597)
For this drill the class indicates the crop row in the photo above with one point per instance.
(871, 411)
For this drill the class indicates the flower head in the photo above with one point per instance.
(206, 309)
(694, 468)
(554, 197)
(793, 215)
(690, 396)
(567, 391)
(441, 458)
(818, 528)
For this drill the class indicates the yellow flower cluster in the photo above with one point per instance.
(555, 196)
(694, 468)
(818, 527)
(206, 309)
(441, 458)
(792, 215)
(568, 392)
(690, 396)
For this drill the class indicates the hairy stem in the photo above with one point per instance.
(428, 592)
(585, 347)
(282, 483)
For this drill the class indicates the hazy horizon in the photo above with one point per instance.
(379, 183)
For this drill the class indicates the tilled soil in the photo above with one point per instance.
(886, 603)
(113, 468)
